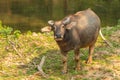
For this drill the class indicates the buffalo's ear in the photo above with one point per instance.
(72, 24)
(46, 29)
(51, 22)
(66, 21)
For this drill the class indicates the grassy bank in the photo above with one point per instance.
(21, 53)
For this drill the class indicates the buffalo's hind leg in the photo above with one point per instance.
(91, 50)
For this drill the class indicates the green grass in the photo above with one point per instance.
(32, 46)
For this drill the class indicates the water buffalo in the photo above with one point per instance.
(76, 31)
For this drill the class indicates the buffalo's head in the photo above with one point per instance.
(60, 28)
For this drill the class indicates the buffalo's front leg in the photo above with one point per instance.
(64, 57)
(91, 50)
(77, 59)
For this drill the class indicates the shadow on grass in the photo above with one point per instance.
(51, 65)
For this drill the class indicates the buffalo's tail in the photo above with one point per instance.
(104, 39)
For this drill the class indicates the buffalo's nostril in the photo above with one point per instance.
(58, 36)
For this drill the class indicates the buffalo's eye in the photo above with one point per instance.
(62, 26)
(67, 30)
(54, 27)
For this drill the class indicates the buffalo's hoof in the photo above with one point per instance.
(88, 61)
(64, 72)
(77, 69)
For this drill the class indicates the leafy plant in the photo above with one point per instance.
(17, 33)
(5, 30)
(11, 39)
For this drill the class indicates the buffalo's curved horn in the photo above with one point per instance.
(66, 21)
(51, 22)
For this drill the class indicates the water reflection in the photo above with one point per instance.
(33, 14)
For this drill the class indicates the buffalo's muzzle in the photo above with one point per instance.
(58, 37)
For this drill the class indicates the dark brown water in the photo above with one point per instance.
(33, 14)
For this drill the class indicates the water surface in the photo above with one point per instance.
(33, 14)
